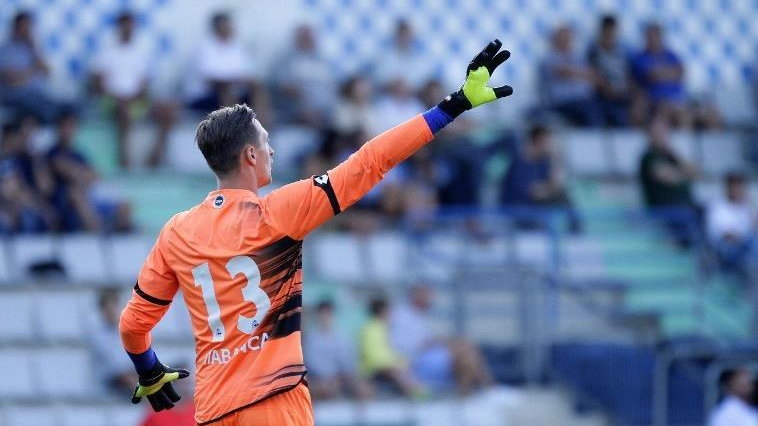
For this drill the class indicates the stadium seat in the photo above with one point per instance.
(533, 248)
(722, 153)
(59, 316)
(628, 147)
(15, 369)
(125, 415)
(60, 372)
(586, 151)
(340, 257)
(127, 253)
(82, 257)
(31, 416)
(5, 265)
(735, 104)
(684, 144)
(291, 143)
(182, 153)
(175, 325)
(17, 316)
(82, 416)
(27, 251)
(387, 257)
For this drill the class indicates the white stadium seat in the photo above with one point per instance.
(16, 371)
(628, 147)
(59, 373)
(17, 316)
(28, 250)
(83, 258)
(82, 416)
(127, 253)
(31, 416)
(722, 152)
(586, 151)
(59, 315)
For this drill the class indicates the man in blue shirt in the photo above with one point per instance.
(659, 74)
(23, 73)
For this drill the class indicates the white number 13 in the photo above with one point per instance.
(251, 292)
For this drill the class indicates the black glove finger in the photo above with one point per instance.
(162, 400)
(182, 372)
(136, 399)
(171, 392)
(497, 60)
(155, 402)
(503, 91)
(483, 58)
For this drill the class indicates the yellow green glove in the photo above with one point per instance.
(474, 91)
(157, 387)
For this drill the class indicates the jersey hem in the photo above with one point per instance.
(267, 396)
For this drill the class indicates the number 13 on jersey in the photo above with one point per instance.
(251, 292)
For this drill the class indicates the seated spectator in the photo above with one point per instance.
(22, 209)
(731, 225)
(23, 73)
(332, 369)
(659, 73)
(666, 181)
(402, 55)
(535, 179)
(304, 81)
(568, 82)
(397, 104)
(379, 361)
(609, 60)
(121, 73)
(439, 362)
(76, 194)
(353, 110)
(735, 408)
(223, 72)
(114, 366)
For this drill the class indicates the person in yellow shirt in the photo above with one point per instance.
(379, 361)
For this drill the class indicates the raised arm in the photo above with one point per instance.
(298, 208)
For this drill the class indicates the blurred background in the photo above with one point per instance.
(581, 253)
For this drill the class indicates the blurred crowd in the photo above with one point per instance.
(606, 84)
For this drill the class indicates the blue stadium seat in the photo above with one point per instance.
(31, 416)
(586, 151)
(628, 147)
(82, 416)
(15, 368)
(722, 153)
(59, 373)
(59, 316)
(83, 258)
(17, 316)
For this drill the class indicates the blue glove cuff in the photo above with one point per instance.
(144, 362)
(436, 119)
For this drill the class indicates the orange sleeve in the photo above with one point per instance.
(300, 207)
(152, 295)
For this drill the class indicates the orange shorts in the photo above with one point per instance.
(290, 408)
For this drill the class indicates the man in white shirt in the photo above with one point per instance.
(304, 81)
(402, 54)
(224, 73)
(121, 74)
(735, 409)
(731, 224)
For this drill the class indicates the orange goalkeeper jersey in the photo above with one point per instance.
(237, 259)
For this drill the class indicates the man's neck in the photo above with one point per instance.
(235, 182)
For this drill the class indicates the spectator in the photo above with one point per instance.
(105, 346)
(332, 369)
(22, 209)
(735, 409)
(76, 194)
(353, 111)
(224, 74)
(568, 82)
(23, 73)
(30, 164)
(608, 59)
(397, 104)
(659, 73)
(121, 74)
(379, 361)
(666, 181)
(439, 362)
(731, 225)
(535, 179)
(304, 81)
(400, 56)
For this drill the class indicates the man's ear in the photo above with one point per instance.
(250, 154)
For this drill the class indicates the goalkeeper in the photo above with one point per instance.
(237, 259)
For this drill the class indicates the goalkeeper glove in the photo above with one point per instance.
(157, 387)
(474, 91)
